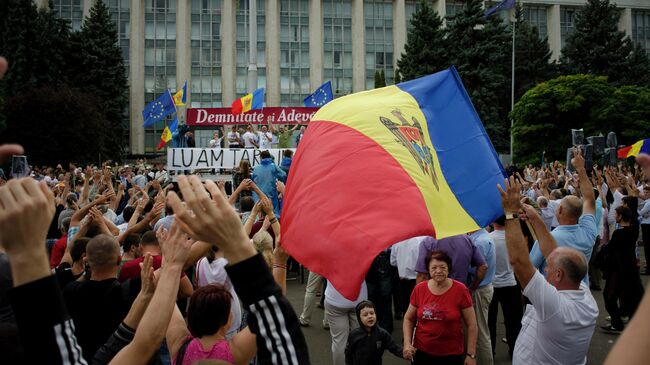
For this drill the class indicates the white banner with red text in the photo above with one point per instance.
(180, 159)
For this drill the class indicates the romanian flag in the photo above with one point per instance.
(166, 135)
(643, 146)
(380, 166)
(249, 102)
(179, 97)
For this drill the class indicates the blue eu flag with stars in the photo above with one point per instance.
(320, 97)
(158, 109)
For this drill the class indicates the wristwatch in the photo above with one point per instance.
(512, 216)
(471, 356)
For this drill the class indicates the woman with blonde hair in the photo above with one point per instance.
(264, 242)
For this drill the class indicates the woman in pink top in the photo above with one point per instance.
(204, 336)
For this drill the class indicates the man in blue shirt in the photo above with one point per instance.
(482, 296)
(578, 228)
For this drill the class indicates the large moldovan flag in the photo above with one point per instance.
(380, 166)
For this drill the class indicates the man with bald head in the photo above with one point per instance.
(558, 324)
(97, 306)
(576, 217)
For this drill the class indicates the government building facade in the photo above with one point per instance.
(300, 45)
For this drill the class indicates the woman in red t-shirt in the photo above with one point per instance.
(436, 309)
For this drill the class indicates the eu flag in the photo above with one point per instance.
(158, 109)
(320, 97)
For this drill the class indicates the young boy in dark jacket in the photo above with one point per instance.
(367, 343)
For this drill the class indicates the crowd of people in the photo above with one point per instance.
(115, 265)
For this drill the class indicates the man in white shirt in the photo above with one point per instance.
(215, 142)
(250, 139)
(233, 138)
(265, 138)
(404, 256)
(506, 291)
(558, 324)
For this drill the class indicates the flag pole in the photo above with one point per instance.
(252, 38)
(512, 88)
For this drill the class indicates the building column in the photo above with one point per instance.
(183, 50)
(358, 47)
(625, 21)
(272, 28)
(440, 6)
(399, 30)
(136, 76)
(87, 5)
(315, 44)
(554, 31)
(228, 52)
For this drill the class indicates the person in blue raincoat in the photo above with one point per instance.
(265, 176)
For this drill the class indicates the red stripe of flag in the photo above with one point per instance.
(622, 153)
(237, 107)
(355, 201)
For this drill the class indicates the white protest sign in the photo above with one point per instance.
(179, 159)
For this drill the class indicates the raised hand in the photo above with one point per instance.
(510, 198)
(175, 247)
(280, 255)
(147, 276)
(578, 161)
(26, 211)
(279, 185)
(267, 206)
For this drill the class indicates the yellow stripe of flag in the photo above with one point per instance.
(447, 214)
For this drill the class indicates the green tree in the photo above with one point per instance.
(481, 51)
(382, 74)
(56, 124)
(544, 116)
(100, 70)
(398, 77)
(425, 51)
(18, 37)
(532, 56)
(36, 44)
(598, 47)
(378, 80)
(626, 112)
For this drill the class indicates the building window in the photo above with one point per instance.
(120, 15)
(294, 51)
(641, 28)
(536, 17)
(410, 8)
(71, 10)
(567, 23)
(206, 54)
(337, 47)
(159, 59)
(379, 40)
(243, 42)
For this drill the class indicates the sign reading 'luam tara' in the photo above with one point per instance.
(215, 158)
(221, 116)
